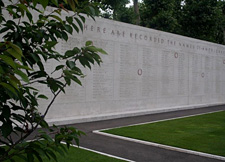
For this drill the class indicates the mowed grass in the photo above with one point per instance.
(204, 133)
(79, 155)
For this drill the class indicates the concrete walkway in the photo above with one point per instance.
(135, 151)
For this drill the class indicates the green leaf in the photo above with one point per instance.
(3, 30)
(8, 60)
(57, 18)
(23, 67)
(88, 43)
(1, 70)
(69, 29)
(22, 157)
(44, 3)
(59, 151)
(2, 150)
(55, 2)
(58, 138)
(102, 51)
(76, 50)
(23, 7)
(92, 10)
(76, 71)
(79, 23)
(74, 78)
(52, 154)
(92, 48)
(6, 128)
(73, 52)
(75, 27)
(69, 19)
(84, 62)
(9, 87)
(89, 58)
(35, 57)
(69, 53)
(72, 4)
(30, 157)
(14, 81)
(77, 141)
(22, 75)
(37, 156)
(44, 124)
(30, 17)
(82, 18)
(50, 44)
(13, 53)
(64, 36)
(97, 58)
(95, 49)
(52, 84)
(46, 137)
(68, 80)
(43, 97)
(6, 112)
(70, 64)
(59, 67)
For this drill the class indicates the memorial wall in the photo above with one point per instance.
(145, 71)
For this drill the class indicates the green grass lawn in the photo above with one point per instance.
(204, 133)
(80, 155)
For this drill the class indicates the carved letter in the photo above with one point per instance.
(85, 27)
(98, 29)
(104, 30)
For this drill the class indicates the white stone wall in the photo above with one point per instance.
(145, 71)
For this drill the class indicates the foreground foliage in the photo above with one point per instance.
(27, 43)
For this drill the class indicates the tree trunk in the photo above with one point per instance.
(136, 11)
(114, 14)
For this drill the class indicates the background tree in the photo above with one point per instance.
(126, 15)
(159, 15)
(222, 23)
(198, 19)
(202, 20)
(136, 12)
(26, 45)
(114, 6)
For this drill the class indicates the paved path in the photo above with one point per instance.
(134, 151)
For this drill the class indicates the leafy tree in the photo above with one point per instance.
(126, 15)
(159, 15)
(221, 37)
(202, 20)
(114, 5)
(27, 43)
(193, 18)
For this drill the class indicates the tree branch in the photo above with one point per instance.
(35, 127)
(50, 104)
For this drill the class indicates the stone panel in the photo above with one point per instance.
(145, 71)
